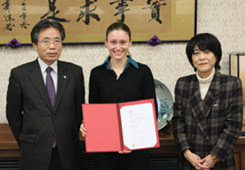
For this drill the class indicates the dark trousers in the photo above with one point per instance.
(55, 163)
(136, 160)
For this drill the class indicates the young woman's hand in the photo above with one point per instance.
(83, 130)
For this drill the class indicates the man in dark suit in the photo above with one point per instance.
(44, 105)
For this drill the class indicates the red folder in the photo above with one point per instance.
(109, 126)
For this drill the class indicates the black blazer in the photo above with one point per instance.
(33, 120)
(212, 126)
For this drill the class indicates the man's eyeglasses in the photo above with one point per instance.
(49, 42)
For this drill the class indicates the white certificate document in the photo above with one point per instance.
(138, 127)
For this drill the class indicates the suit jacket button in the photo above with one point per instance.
(51, 134)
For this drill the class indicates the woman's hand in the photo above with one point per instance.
(195, 160)
(124, 152)
(83, 130)
(208, 161)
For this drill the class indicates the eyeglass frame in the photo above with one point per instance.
(48, 42)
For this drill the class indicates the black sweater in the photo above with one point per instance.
(133, 84)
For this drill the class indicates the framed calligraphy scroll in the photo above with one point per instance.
(85, 21)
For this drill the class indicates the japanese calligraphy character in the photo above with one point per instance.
(8, 17)
(88, 12)
(122, 7)
(9, 26)
(24, 24)
(52, 9)
(6, 5)
(155, 9)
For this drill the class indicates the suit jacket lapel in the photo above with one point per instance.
(197, 106)
(213, 91)
(63, 79)
(37, 79)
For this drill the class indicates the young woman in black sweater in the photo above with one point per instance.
(120, 79)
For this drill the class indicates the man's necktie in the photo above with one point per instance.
(51, 92)
(50, 86)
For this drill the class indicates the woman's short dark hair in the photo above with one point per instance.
(204, 41)
(118, 26)
(44, 24)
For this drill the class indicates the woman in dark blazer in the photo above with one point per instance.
(208, 109)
